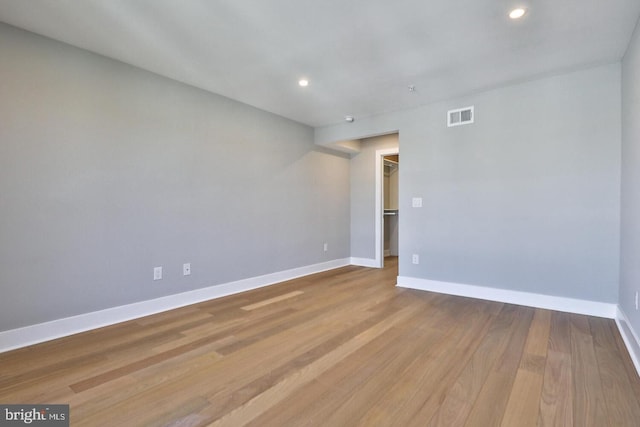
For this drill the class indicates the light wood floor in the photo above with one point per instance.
(341, 348)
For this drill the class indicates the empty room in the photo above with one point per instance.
(323, 213)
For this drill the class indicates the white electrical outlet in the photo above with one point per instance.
(186, 269)
(157, 273)
(415, 258)
(416, 202)
(326, 247)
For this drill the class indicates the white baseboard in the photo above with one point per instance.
(364, 262)
(34, 334)
(630, 337)
(549, 302)
(387, 252)
(47, 331)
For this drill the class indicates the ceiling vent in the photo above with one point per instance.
(460, 116)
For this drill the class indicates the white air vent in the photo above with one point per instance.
(461, 116)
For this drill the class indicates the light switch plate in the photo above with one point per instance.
(416, 202)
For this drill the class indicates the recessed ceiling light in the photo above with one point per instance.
(517, 13)
(349, 119)
(303, 82)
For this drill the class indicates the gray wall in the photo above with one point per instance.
(527, 198)
(107, 171)
(363, 195)
(630, 227)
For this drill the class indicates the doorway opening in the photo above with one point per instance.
(391, 166)
(387, 212)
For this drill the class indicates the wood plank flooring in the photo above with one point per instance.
(340, 348)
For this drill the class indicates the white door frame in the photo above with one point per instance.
(380, 202)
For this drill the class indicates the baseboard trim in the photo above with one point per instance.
(630, 337)
(34, 334)
(364, 262)
(549, 302)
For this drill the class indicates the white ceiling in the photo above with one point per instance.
(359, 55)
